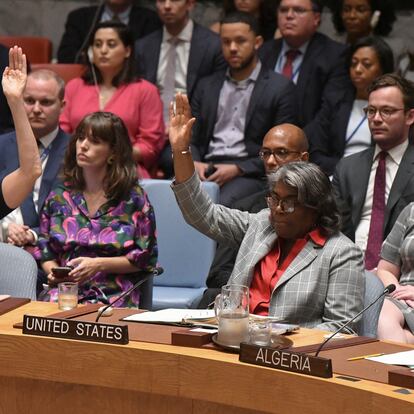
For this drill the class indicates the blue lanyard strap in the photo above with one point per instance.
(356, 129)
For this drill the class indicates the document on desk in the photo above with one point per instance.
(189, 316)
(405, 358)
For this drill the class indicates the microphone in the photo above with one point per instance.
(156, 272)
(387, 290)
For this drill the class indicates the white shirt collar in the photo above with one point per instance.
(108, 14)
(48, 139)
(396, 153)
(185, 35)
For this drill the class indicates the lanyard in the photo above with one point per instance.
(356, 129)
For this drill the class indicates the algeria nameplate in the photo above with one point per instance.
(286, 360)
(78, 330)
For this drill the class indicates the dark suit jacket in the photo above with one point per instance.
(323, 77)
(205, 56)
(6, 120)
(142, 21)
(328, 144)
(9, 161)
(350, 183)
(273, 101)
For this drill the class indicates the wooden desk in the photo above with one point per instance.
(48, 375)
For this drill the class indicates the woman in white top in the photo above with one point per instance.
(349, 132)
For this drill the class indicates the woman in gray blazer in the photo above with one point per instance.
(299, 267)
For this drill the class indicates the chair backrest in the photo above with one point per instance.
(373, 288)
(37, 49)
(18, 272)
(184, 253)
(66, 71)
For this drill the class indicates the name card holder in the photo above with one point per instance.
(285, 360)
(77, 330)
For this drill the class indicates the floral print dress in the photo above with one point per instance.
(125, 228)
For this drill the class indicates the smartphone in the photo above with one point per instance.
(210, 170)
(61, 272)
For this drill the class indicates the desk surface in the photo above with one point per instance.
(40, 374)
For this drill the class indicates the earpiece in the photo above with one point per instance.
(375, 19)
(90, 54)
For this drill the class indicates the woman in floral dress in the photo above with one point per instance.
(100, 220)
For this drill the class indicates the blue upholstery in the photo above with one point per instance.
(184, 253)
(18, 272)
(369, 321)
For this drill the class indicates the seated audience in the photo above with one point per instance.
(348, 130)
(314, 62)
(372, 187)
(234, 109)
(6, 120)
(100, 220)
(396, 322)
(110, 84)
(282, 144)
(18, 183)
(175, 57)
(354, 19)
(43, 103)
(263, 10)
(81, 23)
(298, 266)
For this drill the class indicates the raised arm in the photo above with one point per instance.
(181, 124)
(18, 184)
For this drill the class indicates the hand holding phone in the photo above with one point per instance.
(61, 272)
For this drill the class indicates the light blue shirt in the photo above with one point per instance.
(297, 63)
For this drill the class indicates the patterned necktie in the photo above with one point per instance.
(168, 89)
(377, 215)
(291, 55)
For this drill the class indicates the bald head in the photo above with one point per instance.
(287, 142)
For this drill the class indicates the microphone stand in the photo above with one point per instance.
(388, 289)
(156, 272)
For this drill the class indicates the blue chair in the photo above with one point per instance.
(18, 272)
(373, 288)
(184, 253)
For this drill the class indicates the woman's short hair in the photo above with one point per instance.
(314, 191)
(121, 173)
(128, 71)
(385, 22)
(381, 48)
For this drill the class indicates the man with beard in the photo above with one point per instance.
(282, 144)
(234, 110)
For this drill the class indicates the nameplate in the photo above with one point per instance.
(78, 330)
(286, 360)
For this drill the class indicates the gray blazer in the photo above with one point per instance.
(322, 288)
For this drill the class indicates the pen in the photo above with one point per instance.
(364, 356)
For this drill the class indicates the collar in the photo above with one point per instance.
(124, 16)
(317, 237)
(185, 35)
(252, 77)
(396, 153)
(48, 139)
(286, 47)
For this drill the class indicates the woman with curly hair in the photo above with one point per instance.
(355, 19)
(99, 221)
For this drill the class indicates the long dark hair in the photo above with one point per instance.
(121, 173)
(128, 72)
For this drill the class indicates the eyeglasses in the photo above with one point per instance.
(280, 154)
(385, 112)
(286, 205)
(296, 11)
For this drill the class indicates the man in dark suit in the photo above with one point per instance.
(43, 101)
(80, 24)
(282, 144)
(373, 186)
(195, 52)
(234, 109)
(315, 63)
(6, 121)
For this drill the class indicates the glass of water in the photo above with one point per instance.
(67, 295)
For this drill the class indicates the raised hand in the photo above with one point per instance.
(181, 123)
(15, 75)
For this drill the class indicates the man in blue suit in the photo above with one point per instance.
(43, 100)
